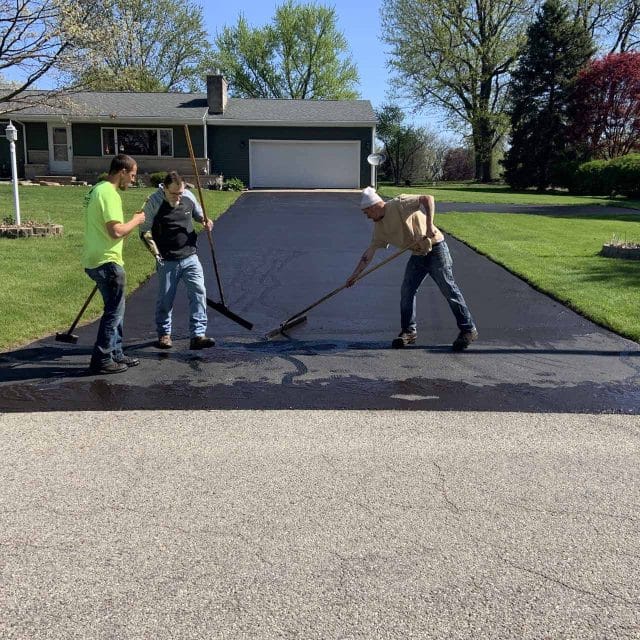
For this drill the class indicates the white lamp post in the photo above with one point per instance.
(12, 135)
(375, 160)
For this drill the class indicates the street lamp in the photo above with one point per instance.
(375, 160)
(12, 135)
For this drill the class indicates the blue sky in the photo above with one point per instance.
(358, 20)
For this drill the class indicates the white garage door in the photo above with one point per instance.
(304, 164)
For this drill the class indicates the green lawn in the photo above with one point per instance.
(496, 194)
(559, 255)
(43, 282)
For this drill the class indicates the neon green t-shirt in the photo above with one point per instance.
(103, 204)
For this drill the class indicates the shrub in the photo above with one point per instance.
(563, 174)
(102, 176)
(157, 178)
(593, 179)
(233, 184)
(625, 172)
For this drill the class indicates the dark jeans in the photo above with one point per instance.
(437, 264)
(110, 278)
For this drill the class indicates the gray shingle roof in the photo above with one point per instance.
(185, 107)
(241, 110)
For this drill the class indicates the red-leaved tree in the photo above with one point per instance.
(605, 109)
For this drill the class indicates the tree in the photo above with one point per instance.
(301, 55)
(458, 54)
(614, 24)
(458, 164)
(401, 142)
(605, 107)
(160, 46)
(38, 37)
(557, 48)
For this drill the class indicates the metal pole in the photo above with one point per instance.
(12, 135)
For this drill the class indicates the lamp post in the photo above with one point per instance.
(375, 160)
(12, 135)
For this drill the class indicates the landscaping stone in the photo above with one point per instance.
(624, 251)
(31, 230)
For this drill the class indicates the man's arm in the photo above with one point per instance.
(428, 207)
(119, 230)
(366, 258)
(198, 213)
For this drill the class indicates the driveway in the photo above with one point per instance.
(278, 253)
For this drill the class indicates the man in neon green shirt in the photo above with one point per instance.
(104, 232)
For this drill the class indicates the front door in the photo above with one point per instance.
(60, 151)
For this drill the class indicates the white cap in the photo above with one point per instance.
(369, 197)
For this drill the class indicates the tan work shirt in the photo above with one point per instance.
(402, 224)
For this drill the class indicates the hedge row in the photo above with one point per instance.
(619, 176)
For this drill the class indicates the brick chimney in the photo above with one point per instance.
(216, 92)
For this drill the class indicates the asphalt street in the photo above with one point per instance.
(322, 485)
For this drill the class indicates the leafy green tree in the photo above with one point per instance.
(300, 55)
(146, 45)
(557, 48)
(413, 153)
(457, 54)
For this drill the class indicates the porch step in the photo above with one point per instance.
(50, 179)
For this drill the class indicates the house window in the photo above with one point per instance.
(137, 142)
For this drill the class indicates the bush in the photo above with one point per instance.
(625, 173)
(103, 176)
(233, 184)
(594, 179)
(157, 178)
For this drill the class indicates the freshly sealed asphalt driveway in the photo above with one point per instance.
(278, 253)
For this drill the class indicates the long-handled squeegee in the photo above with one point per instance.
(220, 307)
(69, 336)
(299, 317)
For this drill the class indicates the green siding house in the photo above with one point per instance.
(291, 144)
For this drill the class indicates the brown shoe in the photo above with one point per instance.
(201, 342)
(464, 339)
(404, 339)
(164, 342)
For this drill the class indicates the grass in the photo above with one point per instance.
(43, 282)
(498, 194)
(559, 255)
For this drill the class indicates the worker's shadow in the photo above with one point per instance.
(44, 363)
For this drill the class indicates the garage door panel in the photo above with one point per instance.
(304, 164)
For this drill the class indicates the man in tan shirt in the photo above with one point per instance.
(402, 221)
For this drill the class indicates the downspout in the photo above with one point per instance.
(206, 141)
(373, 150)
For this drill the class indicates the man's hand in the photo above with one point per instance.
(159, 260)
(351, 281)
(139, 217)
(208, 225)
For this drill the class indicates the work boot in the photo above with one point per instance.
(464, 339)
(128, 360)
(404, 339)
(164, 342)
(201, 342)
(107, 367)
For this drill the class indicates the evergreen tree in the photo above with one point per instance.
(557, 48)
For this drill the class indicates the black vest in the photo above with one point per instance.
(173, 230)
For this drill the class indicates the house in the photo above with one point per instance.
(263, 142)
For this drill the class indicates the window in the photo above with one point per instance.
(137, 142)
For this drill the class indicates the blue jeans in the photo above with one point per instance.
(437, 264)
(169, 274)
(110, 278)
